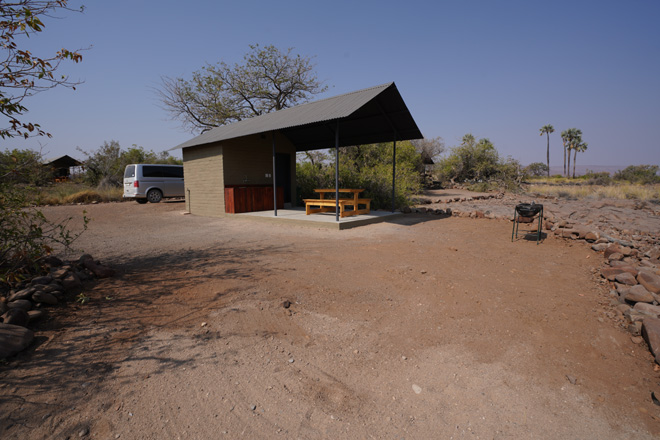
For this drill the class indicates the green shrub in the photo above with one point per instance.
(643, 174)
(367, 167)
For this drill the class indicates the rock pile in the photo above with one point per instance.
(29, 301)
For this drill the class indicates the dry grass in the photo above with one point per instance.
(622, 191)
(69, 193)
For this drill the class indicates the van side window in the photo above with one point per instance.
(176, 172)
(151, 171)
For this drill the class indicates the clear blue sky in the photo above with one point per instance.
(497, 69)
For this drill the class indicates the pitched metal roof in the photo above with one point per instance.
(365, 116)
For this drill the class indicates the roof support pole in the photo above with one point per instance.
(393, 171)
(274, 179)
(337, 173)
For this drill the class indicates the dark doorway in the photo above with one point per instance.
(283, 174)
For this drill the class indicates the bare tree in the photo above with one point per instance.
(268, 80)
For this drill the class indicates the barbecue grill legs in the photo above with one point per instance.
(514, 230)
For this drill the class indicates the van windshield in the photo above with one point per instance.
(130, 171)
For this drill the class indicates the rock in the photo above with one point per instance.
(52, 261)
(651, 334)
(406, 210)
(71, 281)
(3, 307)
(649, 280)
(626, 278)
(598, 247)
(612, 249)
(647, 309)
(46, 279)
(634, 316)
(22, 294)
(636, 339)
(591, 236)
(625, 250)
(611, 272)
(417, 389)
(44, 297)
(286, 304)
(13, 339)
(638, 294)
(99, 270)
(571, 379)
(16, 317)
(59, 273)
(635, 328)
(615, 256)
(22, 304)
(35, 315)
(83, 432)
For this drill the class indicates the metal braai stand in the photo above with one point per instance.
(527, 210)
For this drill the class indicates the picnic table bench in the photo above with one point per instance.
(329, 205)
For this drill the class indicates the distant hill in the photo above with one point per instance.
(582, 169)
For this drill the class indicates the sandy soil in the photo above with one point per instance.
(424, 327)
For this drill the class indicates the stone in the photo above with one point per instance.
(71, 281)
(598, 247)
(615, 256)
(59, 273)
(611, 272)
(647, 309)
(46, 279)
(649, 280)
(638, 294)
(52, 261)
(651, 334)
(35, 315)
(99, 270)
(22, 304)
(612, 249)
(44, 297)
(22, 294)
(417, 389)
(14, 339)
(634, 316)
(625, 250)
(626, 278)
(286, 304)
(591, 236)
(635, 328)
(16, 317)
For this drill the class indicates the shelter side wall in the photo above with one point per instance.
(204, 180)
(249, 159)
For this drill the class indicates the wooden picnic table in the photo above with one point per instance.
(329, 205)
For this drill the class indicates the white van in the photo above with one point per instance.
(151, 183)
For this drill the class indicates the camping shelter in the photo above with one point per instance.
(61, 166)
(257, 155)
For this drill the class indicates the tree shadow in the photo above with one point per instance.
(82, 346)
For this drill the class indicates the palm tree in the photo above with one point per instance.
(565, 138)
(571, 138)
(547, 129)
(579, 148)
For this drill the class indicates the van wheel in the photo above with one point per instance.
(154, 196)
(141, 201)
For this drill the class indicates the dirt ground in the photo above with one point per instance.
(421, 327)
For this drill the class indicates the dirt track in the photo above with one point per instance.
(424, 327)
